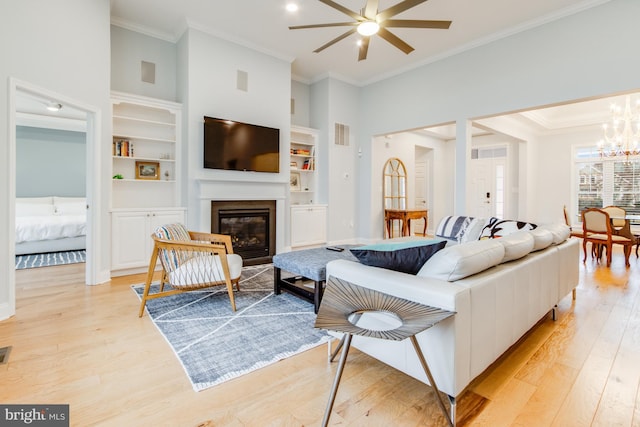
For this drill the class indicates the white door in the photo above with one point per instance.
(488, 183)
(421, 195)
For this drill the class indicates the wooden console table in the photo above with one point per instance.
(404, 215)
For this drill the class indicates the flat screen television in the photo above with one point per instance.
(231, 145)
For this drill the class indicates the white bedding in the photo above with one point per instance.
(33, 228)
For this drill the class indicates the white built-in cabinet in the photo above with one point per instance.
(308, 218)
(308, 225)
(131, 235)
(145, 191)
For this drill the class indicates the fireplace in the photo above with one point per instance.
(251, 225)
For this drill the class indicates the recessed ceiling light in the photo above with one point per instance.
(54, 106)
(292, 7)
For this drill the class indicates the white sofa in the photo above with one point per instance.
(498, 288)
(50, 224)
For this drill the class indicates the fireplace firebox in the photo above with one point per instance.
(251, 225)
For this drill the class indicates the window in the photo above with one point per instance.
(607, 181)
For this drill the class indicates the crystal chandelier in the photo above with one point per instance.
(622, 132)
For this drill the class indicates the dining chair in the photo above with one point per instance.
(597, 230)
(575, 232)
(190, 261)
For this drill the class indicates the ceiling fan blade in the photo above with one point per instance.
(336, 40)
(343, 9)
(412, 23)
(364, 48)
(398, 8)
(371, 9)
(334, 24)
(395, 40)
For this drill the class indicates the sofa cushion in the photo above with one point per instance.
(460, 261)
(559, 230)
(497, 227)
(516, 245)
(407, 257)
(542, 238)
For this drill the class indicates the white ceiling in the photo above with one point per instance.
(263, 25)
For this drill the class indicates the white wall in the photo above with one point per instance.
(403, 146)
(209, 84)
(563, 60)
(61, 46)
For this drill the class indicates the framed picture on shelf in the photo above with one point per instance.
(294, 181)
(147, 170)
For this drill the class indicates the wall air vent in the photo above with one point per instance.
(488, 153)
(341, 134)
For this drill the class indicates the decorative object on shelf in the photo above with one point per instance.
(293, 165)
(622, 132)
(147, 170)
(117, 176)
(294, 181)
(166, 175)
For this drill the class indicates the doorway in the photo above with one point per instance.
(19, 92)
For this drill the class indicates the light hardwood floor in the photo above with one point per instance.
(86, 346)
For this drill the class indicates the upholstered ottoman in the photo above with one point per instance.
(307, 265)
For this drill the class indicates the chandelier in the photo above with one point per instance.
(622, 132)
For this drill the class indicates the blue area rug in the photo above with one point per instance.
(50, 259)
(215, 344)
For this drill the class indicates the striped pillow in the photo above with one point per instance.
(171, 259)
(451, 227)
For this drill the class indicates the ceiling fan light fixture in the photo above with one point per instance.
(368, 28)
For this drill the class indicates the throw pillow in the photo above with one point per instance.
(497, 227)
(473, 230)
(406, 257)
(450, 227)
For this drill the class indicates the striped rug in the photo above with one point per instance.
(50, 259)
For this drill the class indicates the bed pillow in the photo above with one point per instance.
(33, 209)
(460, 261)
(76, 208)
(497, 227)
(407, 257)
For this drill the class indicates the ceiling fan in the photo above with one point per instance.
(370, 22)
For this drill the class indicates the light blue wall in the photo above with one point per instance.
(300, 98)
(128, 50)
(584, 55)
(50, 162)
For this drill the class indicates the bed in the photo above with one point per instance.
(50, 224)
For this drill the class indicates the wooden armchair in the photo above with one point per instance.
(598, 230)
(190, 261)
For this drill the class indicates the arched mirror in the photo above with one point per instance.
(394, 184)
